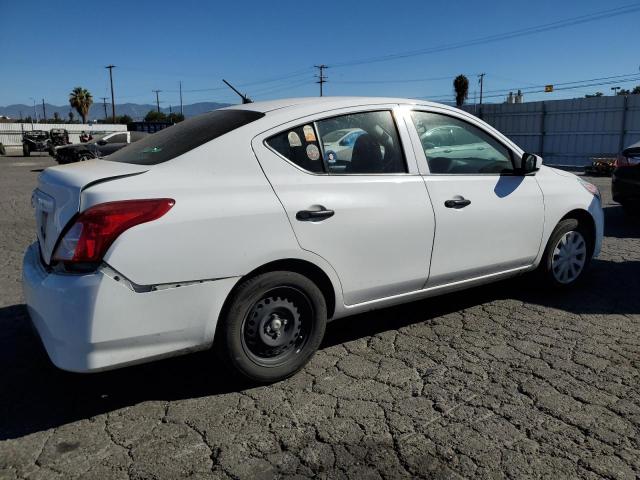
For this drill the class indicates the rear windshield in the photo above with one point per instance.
(182, 137)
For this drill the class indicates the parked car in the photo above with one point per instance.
(449, 146)
(338, 144)
(625, 181)
(100, 146)
(35, 141)
(232, 230)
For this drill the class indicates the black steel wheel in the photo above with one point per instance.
(272, 326)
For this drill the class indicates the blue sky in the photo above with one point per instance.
(50, 47)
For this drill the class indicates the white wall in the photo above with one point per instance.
(11, 133)
(568, 132)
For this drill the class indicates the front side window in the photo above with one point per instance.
(453, 146)
(361, 143)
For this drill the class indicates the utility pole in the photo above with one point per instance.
(615, 90)
(181, 111)
(104, 104)
(35, 112)
(481, 81)
(113, 101)
(157, 99)
(44, 111)
(322, 79)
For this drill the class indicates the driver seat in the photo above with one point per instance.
(366, 156)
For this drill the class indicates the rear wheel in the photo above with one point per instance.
(85, 156)
(274, 324)
(567, 255)
(26, 151)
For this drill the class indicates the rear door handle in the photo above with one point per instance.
(457, 203)
(314, 215)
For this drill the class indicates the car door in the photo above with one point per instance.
(488, 218)
(370, 218)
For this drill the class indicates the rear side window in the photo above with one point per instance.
(183, 137)
(362, 143)
(300, 146)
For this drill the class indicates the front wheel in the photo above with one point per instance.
(273, 325)
(567, 255)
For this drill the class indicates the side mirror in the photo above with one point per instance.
(530, 163)
(101, 142)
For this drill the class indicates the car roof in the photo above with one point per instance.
(326, 103)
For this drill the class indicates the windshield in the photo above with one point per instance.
(183, 137)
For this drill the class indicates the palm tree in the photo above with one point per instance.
(81, 100)
(461, 87)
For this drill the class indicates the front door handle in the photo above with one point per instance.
(457, 203)
(314, 215)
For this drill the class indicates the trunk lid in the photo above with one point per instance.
(58, 196)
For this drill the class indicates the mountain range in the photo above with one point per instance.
(96, 112)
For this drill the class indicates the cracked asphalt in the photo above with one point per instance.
(502, 381)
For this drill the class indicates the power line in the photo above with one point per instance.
(620, 77)
(497, 37)
(404, 80)
(282, 88)
(570, 86)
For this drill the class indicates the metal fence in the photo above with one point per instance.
(11, 133)
(568, 132)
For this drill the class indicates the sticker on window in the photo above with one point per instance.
(294, 139)
(331, 156)
(312, 152)
(309, 134)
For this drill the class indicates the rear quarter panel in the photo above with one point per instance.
(226, 220)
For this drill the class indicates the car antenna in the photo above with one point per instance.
(245, 99)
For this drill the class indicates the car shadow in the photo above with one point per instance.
(619, 224)
(36, 396)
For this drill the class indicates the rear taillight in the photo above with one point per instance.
(88, 237)
(621, 161)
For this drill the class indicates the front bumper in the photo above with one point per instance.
(94, 322)
(595, 209)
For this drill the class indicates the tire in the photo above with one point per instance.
(26, 152)
(568, 236)
(85, 156)
(273, 325)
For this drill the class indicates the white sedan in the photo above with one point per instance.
(232, 231)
